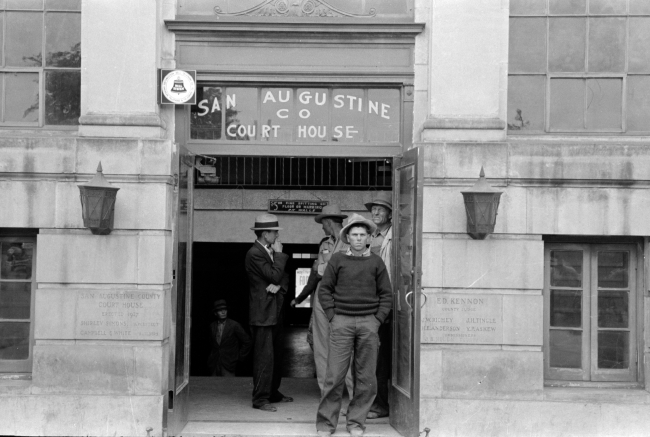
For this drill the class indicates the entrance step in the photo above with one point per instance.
(248, 429)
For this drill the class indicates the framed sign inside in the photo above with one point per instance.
(277, 206)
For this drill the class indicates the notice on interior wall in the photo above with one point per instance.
(120, 315)
(296, 206)
(462, 318)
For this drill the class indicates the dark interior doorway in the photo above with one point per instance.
(218, 273)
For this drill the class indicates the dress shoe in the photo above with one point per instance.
(267, 407)
(356, 432)
(374, 415)
(324, 433)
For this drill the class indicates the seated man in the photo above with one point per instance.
(230, 343)
(356, 295)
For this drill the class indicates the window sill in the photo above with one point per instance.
(15, 383)
(599, 395)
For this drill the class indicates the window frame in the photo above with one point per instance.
(22, 366)
(589, 374)
(41, 70)
(549, 75)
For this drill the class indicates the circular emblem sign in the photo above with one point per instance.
(178, 87)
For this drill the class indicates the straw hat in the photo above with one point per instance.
(382, 198)
(266, 222)
(356, 219)
(330, 211)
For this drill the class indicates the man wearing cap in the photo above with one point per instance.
(381, 208)
(268, 283)
(230, 343)
(356, 295)
(332, 220)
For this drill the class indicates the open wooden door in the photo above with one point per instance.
(179, 363)
(407, 259)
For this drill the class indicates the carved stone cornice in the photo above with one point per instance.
(186, 24)
(294, 8)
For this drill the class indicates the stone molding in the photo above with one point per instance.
(99, 119)
(464, 123)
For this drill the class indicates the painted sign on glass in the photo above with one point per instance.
(296, 115)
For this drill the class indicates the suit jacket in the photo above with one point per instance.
(235, 346)
(265, 307)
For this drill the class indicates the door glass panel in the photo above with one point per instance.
(566, 308)
(566, 44)
(348, 115)
(567, 104)
(604, 104)
(613, 269)
(565, 348)
(612, 309)
(16, 261)
(403, 331)
(205, 116)
(241, 114)
(277, 109)
(607, 44)
(613, 350)
(566, 268)
(312, 108)
(24, 34)
(15, 300)
(383, 121)
(567, 6)
(14, 341)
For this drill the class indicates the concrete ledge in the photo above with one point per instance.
(81, 415)
(464, 123)
(122, 120)
(471, 417)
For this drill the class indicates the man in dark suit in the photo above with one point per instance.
(230, 343)
(268, 283)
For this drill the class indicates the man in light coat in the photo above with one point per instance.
(381, 208)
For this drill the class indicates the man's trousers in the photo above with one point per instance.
(348, 335)
(267, 363)
(321, 339)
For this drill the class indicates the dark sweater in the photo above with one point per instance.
(356, 286)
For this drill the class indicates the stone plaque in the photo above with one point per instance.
(120, 315)
(462, 318)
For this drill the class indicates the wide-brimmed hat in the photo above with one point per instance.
(266, 222)
(382, 198)
(330, 211)
(356, 219)
(220, 304)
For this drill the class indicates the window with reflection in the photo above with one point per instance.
(590, 300)
(17, 255)
(305, 115)
(40, 55)
(579, 66)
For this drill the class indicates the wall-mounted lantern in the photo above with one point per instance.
(481, 204)
(98, 203)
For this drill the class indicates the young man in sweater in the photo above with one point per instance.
(356, 295)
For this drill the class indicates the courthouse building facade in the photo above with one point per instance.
(537, 328)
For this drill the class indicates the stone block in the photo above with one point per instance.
(118, 156)
(68, 205)
(141, 206)
(81, 415)
(562, 161)
(86, 258)
(430, 372)
(219, 199)
(106, 369)
(492, 374)
(55, 314)
(156, 157)
(523, 320)
(108, 31)
(491, 263)
(587, 211)
(421, 82)
(28, 204)
(434, 159)
(469, 41)
(432, 273)
(37, 155)
(464, 160)
(153, 258)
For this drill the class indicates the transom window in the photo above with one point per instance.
(590, 319)
(17, 284)
(40, 62)
(579, 66)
